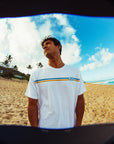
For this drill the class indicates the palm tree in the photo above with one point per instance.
(40, 65)
(6, 63)
(29, 67)
(15, 67)
(7, 60)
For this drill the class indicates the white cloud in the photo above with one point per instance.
(91, 66)
(106, 56)
(71, 53)
(2, 57)
(45, 29)
(62, 19)
(100, 59)
(3, 29)
(22, 39)
(69, 30)
(92, 58)
(3, 35)
(75, 38)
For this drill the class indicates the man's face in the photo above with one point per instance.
(50, 48)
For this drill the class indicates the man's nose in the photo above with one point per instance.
(45, 46)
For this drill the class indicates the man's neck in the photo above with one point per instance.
(56, 63)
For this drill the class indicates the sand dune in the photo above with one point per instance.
(99, 106)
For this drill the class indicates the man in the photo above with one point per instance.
(55, 92)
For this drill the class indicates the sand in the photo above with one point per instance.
(99, 106)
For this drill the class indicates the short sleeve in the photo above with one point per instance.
(82, 88)
(32, 89)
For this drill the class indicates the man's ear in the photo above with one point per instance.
(59, 47)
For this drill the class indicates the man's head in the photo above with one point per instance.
(51, 43)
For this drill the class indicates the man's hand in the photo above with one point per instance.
(33, 112)
(79, 110)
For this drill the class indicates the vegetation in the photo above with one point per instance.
(21, 78)
(39, 65)
(13, 72)
(5, 63)
(1, 75)
(15, 67)
(8, 74)
(7, 60)
(29, 68)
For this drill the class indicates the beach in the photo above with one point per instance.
(99, 106)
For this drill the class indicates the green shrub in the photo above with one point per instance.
(1, 75)
(23, 78)
(8, 74)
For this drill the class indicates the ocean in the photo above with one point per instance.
(104, 82)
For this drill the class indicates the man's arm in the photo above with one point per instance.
(33, 112)
(79, 110)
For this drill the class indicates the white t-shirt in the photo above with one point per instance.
(57, 90)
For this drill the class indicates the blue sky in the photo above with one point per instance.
(88, 42)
